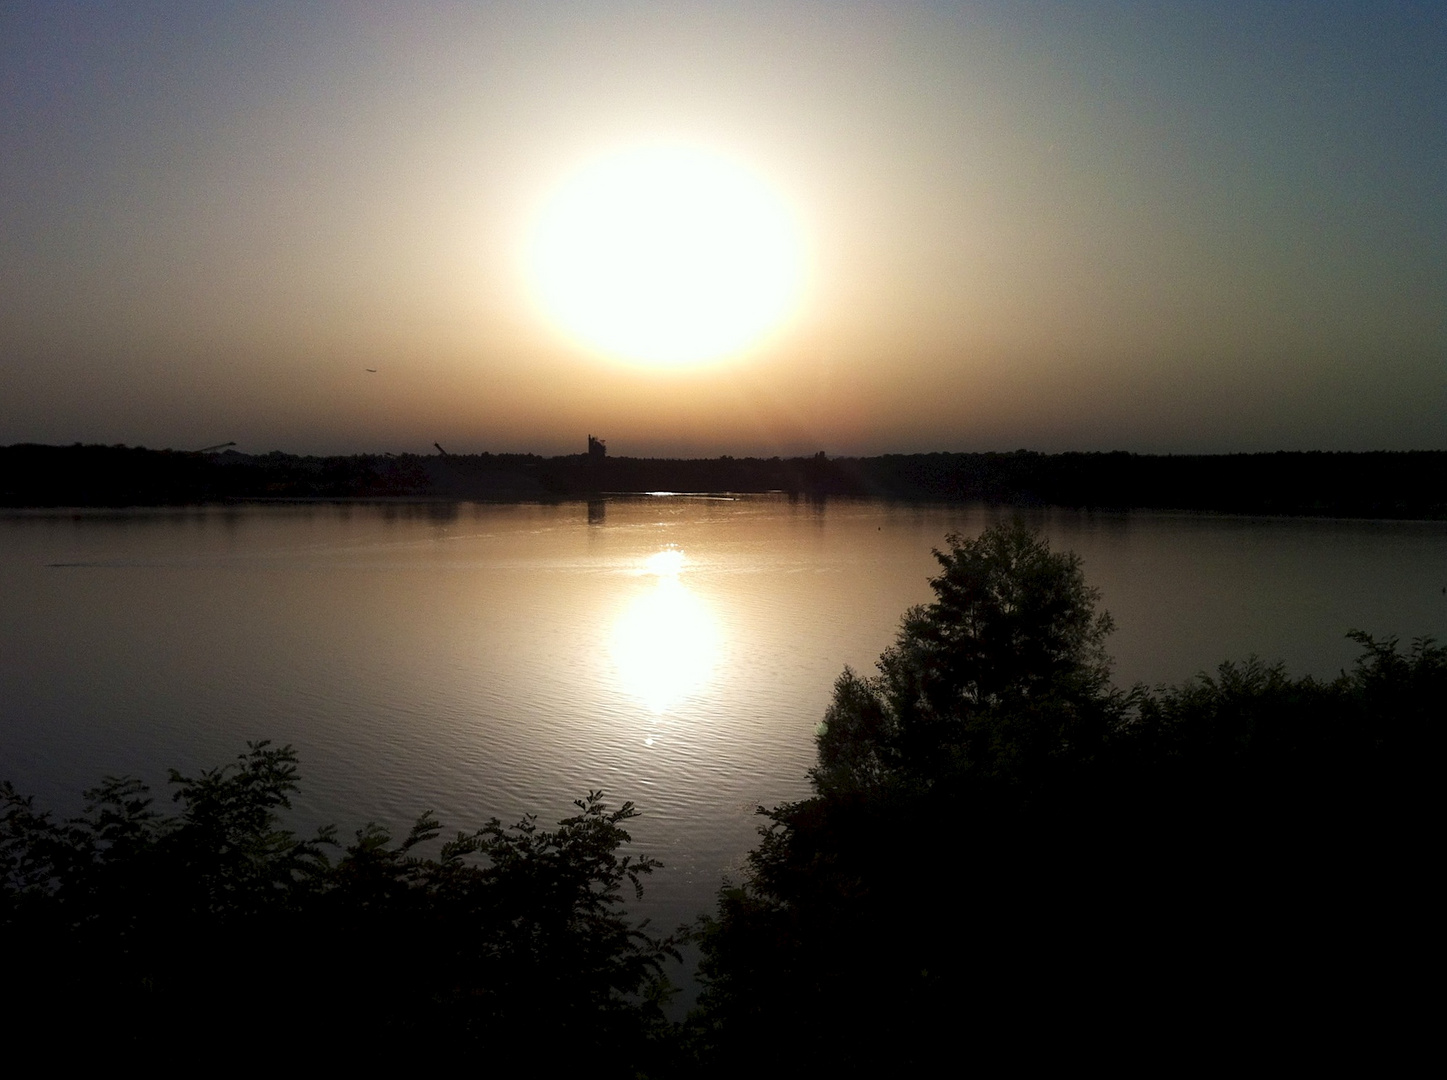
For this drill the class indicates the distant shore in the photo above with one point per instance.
(1401, 485)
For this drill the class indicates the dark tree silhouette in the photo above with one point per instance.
(1009, 660)
(218, 924)
(1004, 849)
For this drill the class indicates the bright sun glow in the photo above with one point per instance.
(666, 644)
(667, 255)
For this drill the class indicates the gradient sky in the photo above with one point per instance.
(1144, 226)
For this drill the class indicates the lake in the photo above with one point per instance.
(678, 652)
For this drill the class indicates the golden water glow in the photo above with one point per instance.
(667, 255)
(666, 644)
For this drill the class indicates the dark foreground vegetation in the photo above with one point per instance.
(216, 929)
(1006, 859)
(1386, 485)
(1004, 847)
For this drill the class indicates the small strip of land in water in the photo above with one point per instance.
(1405, 485)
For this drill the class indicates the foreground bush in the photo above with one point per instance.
(216, 926)
(1003, 848)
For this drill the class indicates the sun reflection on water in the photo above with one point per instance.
(666, 643)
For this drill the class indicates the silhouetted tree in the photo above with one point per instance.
(182, 931)
(1007, 662)
(1000, 838)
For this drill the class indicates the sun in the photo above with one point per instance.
(667, 255)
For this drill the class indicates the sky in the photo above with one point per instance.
(1155, 227)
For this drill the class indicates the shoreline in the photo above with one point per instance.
(1387, 485)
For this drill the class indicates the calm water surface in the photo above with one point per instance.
(502, 660)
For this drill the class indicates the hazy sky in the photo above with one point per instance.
(1142, 226)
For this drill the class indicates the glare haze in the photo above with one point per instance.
(1163, 227)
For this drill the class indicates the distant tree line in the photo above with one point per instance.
(1388, 485)
(1006, 859)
